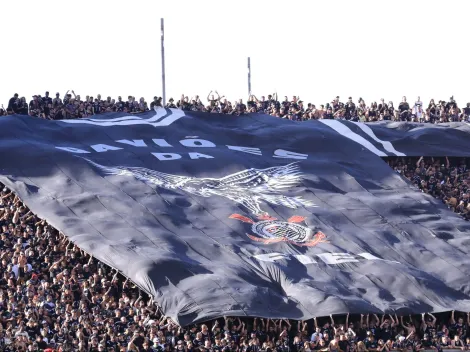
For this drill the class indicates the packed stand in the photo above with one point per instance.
(55, 296)
(447, 179)
(295, 109)
(73, 106)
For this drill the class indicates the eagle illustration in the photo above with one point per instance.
(247, 188)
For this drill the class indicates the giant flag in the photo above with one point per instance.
(219, 215)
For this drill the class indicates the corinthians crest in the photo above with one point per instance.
(271, 230)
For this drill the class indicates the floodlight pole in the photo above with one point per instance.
(163, 62)
(249, 76)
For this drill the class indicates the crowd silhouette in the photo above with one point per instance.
(75, 106)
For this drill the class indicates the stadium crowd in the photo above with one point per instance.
(74, 106)
(447, 180)
(56, 297)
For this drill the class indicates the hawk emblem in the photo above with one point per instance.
(249, 188)
(271, 230)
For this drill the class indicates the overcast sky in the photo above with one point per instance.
(315, 49)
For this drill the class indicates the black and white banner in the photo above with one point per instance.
(221, 215)
(406, 139)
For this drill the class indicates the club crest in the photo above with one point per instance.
(271, 230)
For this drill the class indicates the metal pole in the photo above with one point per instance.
(163, 63)
(249, 76)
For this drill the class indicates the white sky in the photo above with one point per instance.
(315, 49)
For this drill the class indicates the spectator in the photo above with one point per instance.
(22, 106)
(157, 102)
(35, 106)
(46, 100)
(404, 110)
(13, 103)
(212, 100)
(418, 109)
(56, 102)
(170, 104)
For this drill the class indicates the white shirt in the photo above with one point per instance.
(16, 268)
(418, 108)
(319, 334)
